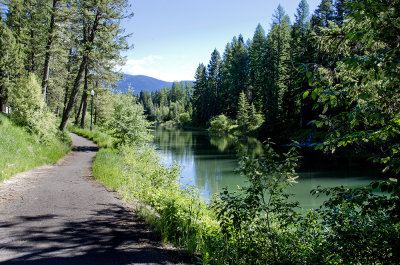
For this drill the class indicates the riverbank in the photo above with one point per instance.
(258, 224)
(21, 151)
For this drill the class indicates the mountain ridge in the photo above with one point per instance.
(143, 83)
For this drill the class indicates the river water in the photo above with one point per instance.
(208, 162)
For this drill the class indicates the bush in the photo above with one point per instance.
(128, 124)
(29, 108)
(220, 124)
(184, 119)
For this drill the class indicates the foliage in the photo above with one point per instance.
(359, 226)
(128, 124)
(220, 124)
(21, 151)
(184, 119)
(177, 212)
(29, 108)
(257, 221)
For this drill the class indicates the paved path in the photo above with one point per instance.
(59, 215)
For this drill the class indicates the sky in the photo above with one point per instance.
(172, 37)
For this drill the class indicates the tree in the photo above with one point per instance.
(29, 108)
(242, 116)
(200, 99)
(279, 72)
(360, 96)
(128, 124)
(258, 69)
(214, 82)
(10, 63)
(101, 19)
(48, 48)
(322, 15)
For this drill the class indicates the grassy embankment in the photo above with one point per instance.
(21, 151)
(177, 212)
(234, 229)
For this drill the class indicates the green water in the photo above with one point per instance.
(208, 162)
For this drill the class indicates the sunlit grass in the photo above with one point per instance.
(21, 151)
(179, 214)
(100, 138)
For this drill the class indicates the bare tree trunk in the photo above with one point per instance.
(68, 76)
(74, 93)
(85, 96)
(2, 99)
(78, 111)
(48, 48)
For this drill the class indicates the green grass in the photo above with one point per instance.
(177, 212)
(107, 168)
(100, 138)
(21, 151)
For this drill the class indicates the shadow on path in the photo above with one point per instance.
(108, 236)
(85, 148)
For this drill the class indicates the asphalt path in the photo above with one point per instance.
(59, 214)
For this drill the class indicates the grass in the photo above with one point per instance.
(100, 138)
(21, 151)
(178, 213)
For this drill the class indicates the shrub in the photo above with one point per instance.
(128, 124)
(184, 118)
(220, 124)
(29, 108)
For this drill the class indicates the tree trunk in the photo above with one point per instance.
(84, 97)
(78, 111)
(68, 77)
(2, 99)
(74, 93)
(77, 82)
(48, 48)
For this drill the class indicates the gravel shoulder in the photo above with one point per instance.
(59, 214)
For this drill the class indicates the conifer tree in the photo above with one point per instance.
(242, 116)
(200, 98)
(101, 18)
(279, 40)
(214, 83)
(258, 69)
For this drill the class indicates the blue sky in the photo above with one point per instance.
(171, 37)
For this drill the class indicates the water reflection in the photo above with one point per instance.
(209, 161)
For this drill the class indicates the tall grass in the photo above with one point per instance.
(21, 151)
(177, 212)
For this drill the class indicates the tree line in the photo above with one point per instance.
(265, 72)
(65, 47)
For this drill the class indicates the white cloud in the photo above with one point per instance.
(160, 68)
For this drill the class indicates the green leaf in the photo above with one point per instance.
(314, 94)
(305, 94)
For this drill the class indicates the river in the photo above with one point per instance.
(208, 162)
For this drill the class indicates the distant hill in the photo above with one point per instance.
(142, 82)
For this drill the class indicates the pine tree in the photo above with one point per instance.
(279, 40)
(258, 67)
(214, 83)
(101, 18)
(242, 116)
(322, 15)
(239, 70)
(200, 98)
(10, 63)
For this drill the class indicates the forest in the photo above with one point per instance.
(333, 75)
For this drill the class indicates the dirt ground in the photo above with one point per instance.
(59, 214)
